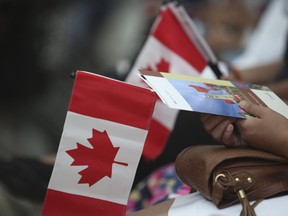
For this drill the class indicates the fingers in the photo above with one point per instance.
(227, 137)
(219, 127)
(253, 109)
(204, 116)
(224, 77)
(211, 121)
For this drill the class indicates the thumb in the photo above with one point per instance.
(253, 109)
(224, 77)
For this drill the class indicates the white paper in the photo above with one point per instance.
(196, 204)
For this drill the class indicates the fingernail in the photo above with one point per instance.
(230, 128)
(242, 104)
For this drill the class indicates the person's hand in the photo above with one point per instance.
(229, 77)
(268, 130)
(233, 75)
(222, 129)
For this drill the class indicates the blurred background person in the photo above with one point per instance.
(264, 59)
(41, 44)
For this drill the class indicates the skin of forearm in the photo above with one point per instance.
(277, 144)
(262, 74)
(280, 88)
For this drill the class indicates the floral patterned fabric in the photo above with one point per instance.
(159, 186)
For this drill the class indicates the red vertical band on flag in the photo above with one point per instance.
(62, 204)
(106, 99)
(170, 33)
(156, 139)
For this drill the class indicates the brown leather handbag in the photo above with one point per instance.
(227, 176)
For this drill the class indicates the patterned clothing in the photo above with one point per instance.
(159, 186)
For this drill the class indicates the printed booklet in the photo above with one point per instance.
(220, 97)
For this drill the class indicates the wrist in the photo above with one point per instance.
(237, 74)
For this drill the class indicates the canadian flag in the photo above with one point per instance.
(173, 46)
(100, 148)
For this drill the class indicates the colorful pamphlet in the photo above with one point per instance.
(220, 97)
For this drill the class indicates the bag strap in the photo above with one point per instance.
(225, 180)
(247, 209)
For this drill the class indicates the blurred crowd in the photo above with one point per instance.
(43, 42)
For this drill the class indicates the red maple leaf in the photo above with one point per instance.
(161, 66)
(98, 159)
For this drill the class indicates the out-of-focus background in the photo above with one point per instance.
(43, 42)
